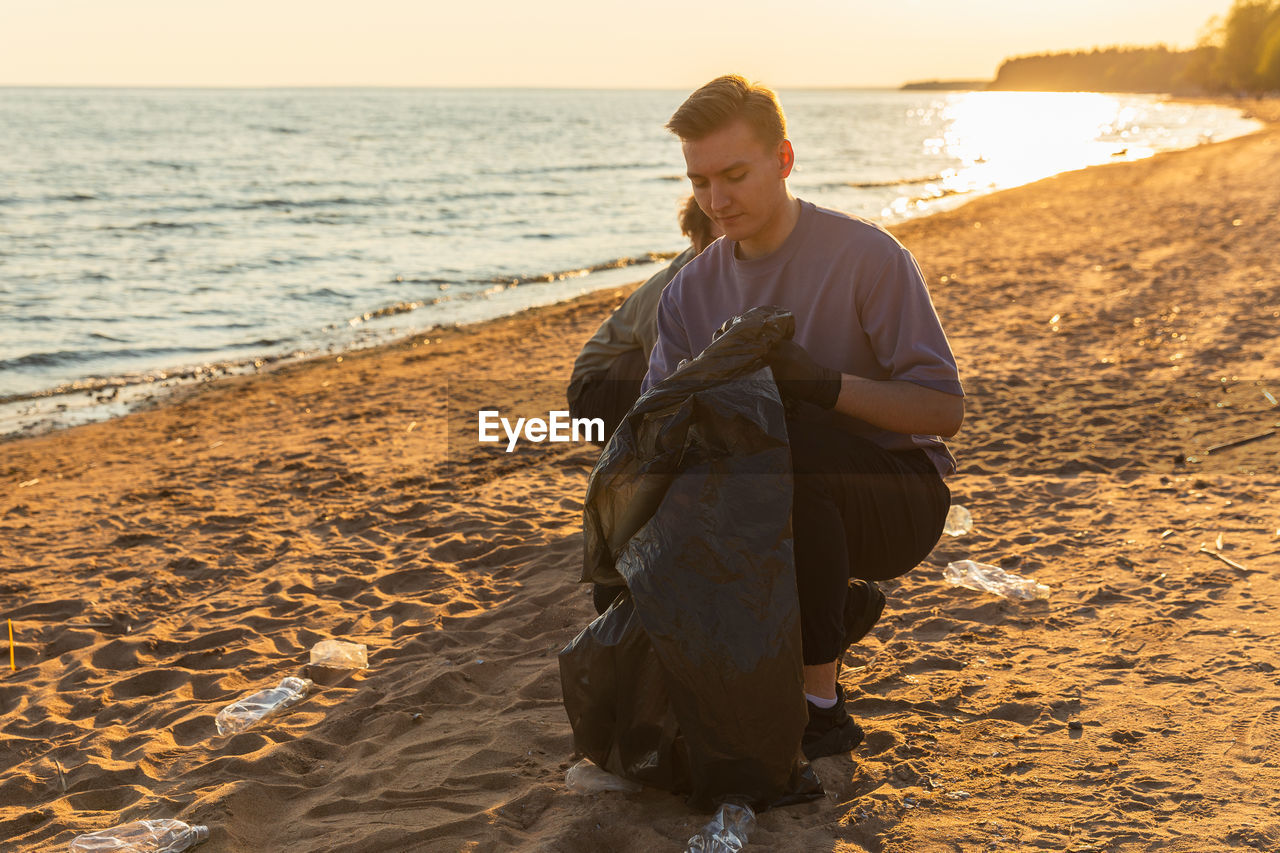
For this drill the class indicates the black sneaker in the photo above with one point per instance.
(830, 731)
(863, 604)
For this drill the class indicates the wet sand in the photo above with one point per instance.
(1112, 326)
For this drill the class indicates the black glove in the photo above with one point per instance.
(799, 377)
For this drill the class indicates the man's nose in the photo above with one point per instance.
(719, 197)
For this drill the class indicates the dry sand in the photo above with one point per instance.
(160, 565)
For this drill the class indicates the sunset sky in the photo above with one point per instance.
(559, 43)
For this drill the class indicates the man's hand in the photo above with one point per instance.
(799, 377)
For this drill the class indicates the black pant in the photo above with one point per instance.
(859, 511)
(610, 395)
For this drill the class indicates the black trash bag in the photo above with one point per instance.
(691, 681)
(619, 695)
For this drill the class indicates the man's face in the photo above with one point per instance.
(739, 182)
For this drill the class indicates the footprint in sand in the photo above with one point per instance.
(1257, 741)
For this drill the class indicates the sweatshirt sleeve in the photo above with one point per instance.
(673, 341)
(899, 319)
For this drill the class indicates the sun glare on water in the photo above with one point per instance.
(1004, 139)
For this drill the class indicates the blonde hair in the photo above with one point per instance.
(724, 100)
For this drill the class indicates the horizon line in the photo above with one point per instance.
(261, 86)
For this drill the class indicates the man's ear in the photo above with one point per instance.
(786, 157)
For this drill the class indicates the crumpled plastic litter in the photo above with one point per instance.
(983, 578)
(726, 832)
(340, 654)
(959, 521)
(585, 778)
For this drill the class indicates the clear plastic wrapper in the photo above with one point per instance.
(726, 833)
(585, 778)
(984, 578)
(340, 654)
(959, 521)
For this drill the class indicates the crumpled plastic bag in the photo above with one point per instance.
(691, 681)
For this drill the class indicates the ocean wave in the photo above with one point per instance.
(318, 293)
(156, 225)
(897, 182)
(942, 193)
(327, 182)
(48, 359)
(336, 201)
(220, 327)
(445, 282)
(329, 219)
(393, 310)
(80, 356)
(580, 167)
(489, 194)
(616, 263)
(497, 284)
(152, 378)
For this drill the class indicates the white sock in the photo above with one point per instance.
(819, 702)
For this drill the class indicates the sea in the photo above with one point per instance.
(151, 237)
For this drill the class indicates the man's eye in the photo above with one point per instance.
(733, 179)
(698, 184)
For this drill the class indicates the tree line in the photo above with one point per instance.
(1239, 52)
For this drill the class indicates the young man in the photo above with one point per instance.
(607, 373)
(869, 376)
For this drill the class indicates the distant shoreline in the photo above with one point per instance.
(945, 86)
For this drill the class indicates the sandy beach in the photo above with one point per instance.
(1114, 327)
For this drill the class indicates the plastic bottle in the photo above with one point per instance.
(243, 713)
(726, 833)
(984, 578)
(142, 836)
(339, 654)
(959, 521)
(586, 778)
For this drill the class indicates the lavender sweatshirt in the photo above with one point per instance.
(860, 303)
